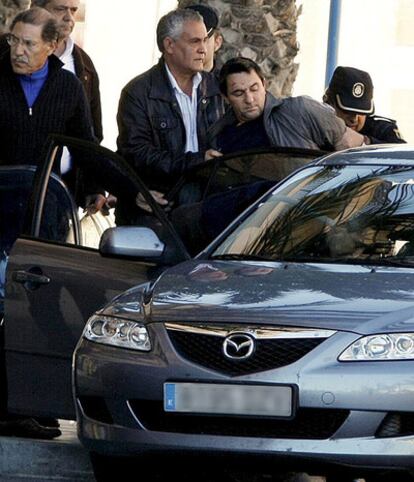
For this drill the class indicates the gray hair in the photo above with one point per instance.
(39, 17)
(171, 24)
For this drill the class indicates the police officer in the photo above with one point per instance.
(350, 93)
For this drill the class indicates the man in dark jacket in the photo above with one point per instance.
(74, 58)
(350, 93)
(258, 119)
(164, 114)
(37, 96)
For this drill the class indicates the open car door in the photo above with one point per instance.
(56, 279)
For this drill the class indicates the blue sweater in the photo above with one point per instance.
(32, 84)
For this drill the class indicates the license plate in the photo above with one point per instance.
(226, 399)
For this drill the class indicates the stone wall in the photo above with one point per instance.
(263, 30)
(8, 10)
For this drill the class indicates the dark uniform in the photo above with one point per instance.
(350, 91)
(381, 130)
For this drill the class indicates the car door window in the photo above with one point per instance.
(266, 167)
(59, 215)
(59, 220)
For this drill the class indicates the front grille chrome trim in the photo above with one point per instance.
(258, 332)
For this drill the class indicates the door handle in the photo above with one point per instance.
(30, 277)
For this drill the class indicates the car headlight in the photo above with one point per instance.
(117, 332)
(381, 347)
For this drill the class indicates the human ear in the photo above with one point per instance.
(168, 43)
(218, 41)
(51, 48)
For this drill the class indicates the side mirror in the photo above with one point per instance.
(131, 242)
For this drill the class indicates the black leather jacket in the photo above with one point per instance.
(151, 130)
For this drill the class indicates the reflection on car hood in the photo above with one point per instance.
(342, 297)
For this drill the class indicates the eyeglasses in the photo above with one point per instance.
(14, 41)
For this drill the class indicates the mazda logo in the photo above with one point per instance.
(238, 346)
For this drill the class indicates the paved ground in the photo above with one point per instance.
(62, 459)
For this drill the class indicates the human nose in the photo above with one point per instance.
(248, 97)
(18, 48)
(352, 120)
(69, 15)
(203, 47)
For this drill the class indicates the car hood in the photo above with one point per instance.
(332, 296)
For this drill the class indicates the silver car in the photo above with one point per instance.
(290, 339)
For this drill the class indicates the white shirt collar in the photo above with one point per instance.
(68, 50)
(197, 78)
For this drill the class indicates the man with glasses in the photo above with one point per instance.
(73, 57)
(37, 97)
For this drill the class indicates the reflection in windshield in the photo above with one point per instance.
(336, 212)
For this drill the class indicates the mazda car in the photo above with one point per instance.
(58, 265)
(288, 340)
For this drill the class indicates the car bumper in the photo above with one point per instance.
(366, 452)
(344, 416)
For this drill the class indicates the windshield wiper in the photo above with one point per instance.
(240, 256)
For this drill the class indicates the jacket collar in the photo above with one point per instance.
(271, 103)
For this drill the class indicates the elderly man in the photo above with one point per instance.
(257, 119)
(75, 59)
(37, 97)
(164, 114)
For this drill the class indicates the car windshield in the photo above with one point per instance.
(351, 213)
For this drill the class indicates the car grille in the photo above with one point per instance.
(274, 348)
(308, 423)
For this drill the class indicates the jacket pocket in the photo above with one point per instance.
(164, 123)
(167, 133)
